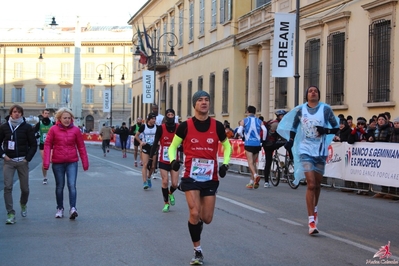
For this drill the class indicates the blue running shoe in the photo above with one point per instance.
(149, 183)
(145, 185)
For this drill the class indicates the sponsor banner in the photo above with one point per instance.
(373, 163)
(148, 86)
(283, 45)
(238, 156)
(365, 162)
(335, 164)
(107, 101)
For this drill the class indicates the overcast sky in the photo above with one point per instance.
(28, 13)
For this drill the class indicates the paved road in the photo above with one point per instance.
(121, 224)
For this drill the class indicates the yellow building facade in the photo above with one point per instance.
(225, 47)
(69, 60)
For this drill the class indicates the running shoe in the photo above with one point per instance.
(172, 199)
(198, 258)
(267, 185)
(250, 185)
(107, 150)
(149, 183)
(135, 164)
(141, 163)
(24, 210)
(312, 228)
(73, 213)
(256, 181)
(44, 181)
(166, 207)
(316, 219)
(10, 219)
(60, 213)
(145, 185)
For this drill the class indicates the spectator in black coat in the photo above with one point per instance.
(123, 132)
(344, 131)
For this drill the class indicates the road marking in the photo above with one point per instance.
(241, 204)
(347, 241)
(121, 165)
(289, 221)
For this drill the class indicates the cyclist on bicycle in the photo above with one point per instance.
(273, 142)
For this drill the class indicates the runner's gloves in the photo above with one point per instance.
(175, 165)
(223, 170)
(323, 130)
(149, 164)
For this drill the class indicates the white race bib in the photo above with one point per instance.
(165, 154)
(149, 139)
(202, 169)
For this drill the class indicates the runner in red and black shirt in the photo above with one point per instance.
(200, 136)
(164, 136)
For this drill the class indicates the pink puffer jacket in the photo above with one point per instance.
(64, 143)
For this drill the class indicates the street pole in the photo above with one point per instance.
(110, 107)
(296, 75)
(155, 63)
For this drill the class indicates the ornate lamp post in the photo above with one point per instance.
(111, 70)
(157, 57)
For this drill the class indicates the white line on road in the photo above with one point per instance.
(240, 204)
(347, 241)
(121, 165)
(289, 221)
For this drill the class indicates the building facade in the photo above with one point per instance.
(67, 75)
(225, 47)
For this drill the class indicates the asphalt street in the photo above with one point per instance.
(121, 224)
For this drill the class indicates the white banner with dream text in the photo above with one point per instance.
(283, 45)
(148, 86)
(107, 101)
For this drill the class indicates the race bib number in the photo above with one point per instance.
(44, 137)
(149, 139)
(202, 169)
(165, 154)
(11, 145)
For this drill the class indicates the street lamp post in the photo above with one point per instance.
(156, 54)
(111, 70)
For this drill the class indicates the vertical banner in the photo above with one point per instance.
(107, 101)
(148, 86)
(283, 45)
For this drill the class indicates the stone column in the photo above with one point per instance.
(253, 75)
(266, 103)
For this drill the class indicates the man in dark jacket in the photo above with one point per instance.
(123, 132)
(18, 148)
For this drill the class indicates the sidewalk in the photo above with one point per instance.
(114, 226)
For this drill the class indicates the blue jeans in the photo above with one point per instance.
(71, 171)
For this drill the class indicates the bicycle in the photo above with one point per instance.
(282, 169)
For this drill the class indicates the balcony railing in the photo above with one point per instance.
(57, 105)
(162, 62)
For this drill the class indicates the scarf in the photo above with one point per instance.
(16, 122)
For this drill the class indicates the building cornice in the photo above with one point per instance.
(63, 44)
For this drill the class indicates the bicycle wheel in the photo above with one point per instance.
(275, 173)
(290, 175)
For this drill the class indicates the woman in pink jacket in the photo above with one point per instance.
(65, 141)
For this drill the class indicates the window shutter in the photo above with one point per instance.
(23, 95)
(13, 95)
